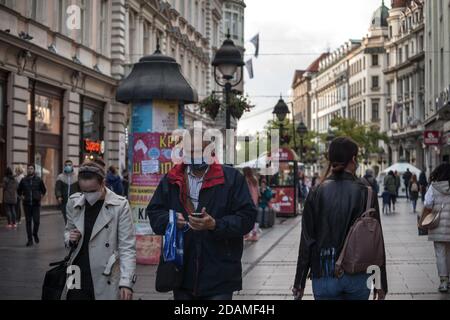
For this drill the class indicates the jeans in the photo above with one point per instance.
(186, 295)
(442, 251)
(414, 204)
(347, 287)
(11, 213)
(32, 216)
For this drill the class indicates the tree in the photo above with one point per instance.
(368, 137)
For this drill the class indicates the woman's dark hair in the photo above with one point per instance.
(8, 172)
(441, 173)
(89, 176)
(341, 152)
(391, 173)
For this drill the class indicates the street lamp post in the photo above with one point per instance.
(281, 110)
(302, 130)
(227, 60)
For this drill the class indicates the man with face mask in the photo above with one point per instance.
(215, 211)
(100, 227)
(66, 185)
(31, 190)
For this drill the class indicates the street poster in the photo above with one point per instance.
(283, 201)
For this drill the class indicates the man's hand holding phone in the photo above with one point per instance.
(202, 221)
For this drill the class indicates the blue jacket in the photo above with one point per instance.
(212, 259)
(114, 183)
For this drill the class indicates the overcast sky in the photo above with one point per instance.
(304, 27)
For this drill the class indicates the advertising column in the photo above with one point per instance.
(150, 151)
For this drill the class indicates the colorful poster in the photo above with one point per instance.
(151, 157)
(165, 116)
(284, 199)
(141, 117)
(139, 198)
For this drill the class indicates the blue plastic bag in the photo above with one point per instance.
(173, 241)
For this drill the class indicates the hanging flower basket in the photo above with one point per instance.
(238, 105)
(211, 106)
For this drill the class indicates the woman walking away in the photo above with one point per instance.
(330, 211)
(19, 174)
(390, 183)
(253, 187)
(438, 196)
(414, 191)
(10, 197)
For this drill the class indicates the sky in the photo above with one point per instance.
(304, 27)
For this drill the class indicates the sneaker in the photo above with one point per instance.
(15, 226)
(9, 226)
(444, 286)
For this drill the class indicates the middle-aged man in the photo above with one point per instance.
(66, 185)
(100, 227)
(31, 190)
(213, 245)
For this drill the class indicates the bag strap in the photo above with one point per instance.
(369, 198)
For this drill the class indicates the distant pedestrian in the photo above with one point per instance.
(406, 181)
(386, 196)
(413, 189)
(66, 185)
(397, 185)
(369, 178)
(330, 211)
(32, 189)
(10, 186)
(438, 196)
(253, 187)
(113, 181)
(19, 207)
(390, 183)
(423, 183)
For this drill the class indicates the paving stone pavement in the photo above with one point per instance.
(268, 265)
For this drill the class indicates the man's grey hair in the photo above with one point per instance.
(369, 172)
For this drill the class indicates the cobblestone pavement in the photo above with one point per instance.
(268, 265)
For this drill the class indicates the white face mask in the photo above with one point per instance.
(92, 197)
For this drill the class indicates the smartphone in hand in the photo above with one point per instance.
(198, 215)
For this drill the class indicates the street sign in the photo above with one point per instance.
(431, 138)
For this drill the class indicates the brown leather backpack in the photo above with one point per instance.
(364, 244)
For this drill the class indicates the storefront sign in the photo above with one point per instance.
(94, 146)
(431, 138)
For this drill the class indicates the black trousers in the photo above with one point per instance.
(33, 218)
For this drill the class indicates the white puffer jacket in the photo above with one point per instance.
(439, 192)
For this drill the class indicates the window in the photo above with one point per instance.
(406, 51)
(375, 60)
(400, 55)
(91, 128)
(375, 83)
(102, 34)
(388, 59)
(375, 111)
(45, 135)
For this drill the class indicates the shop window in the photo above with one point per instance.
(45, 136)
(91, 129)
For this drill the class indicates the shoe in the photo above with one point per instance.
(9, 226)
(36, 239)
(29, 243)
(15, 226)
(444, 286)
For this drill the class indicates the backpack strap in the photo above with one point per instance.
(369, 198)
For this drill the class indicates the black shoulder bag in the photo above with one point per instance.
(55, 278)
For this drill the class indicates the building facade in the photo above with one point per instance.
(58, 80)
(62, 60)
(405, 82)
(301, 87)
(437, 69)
